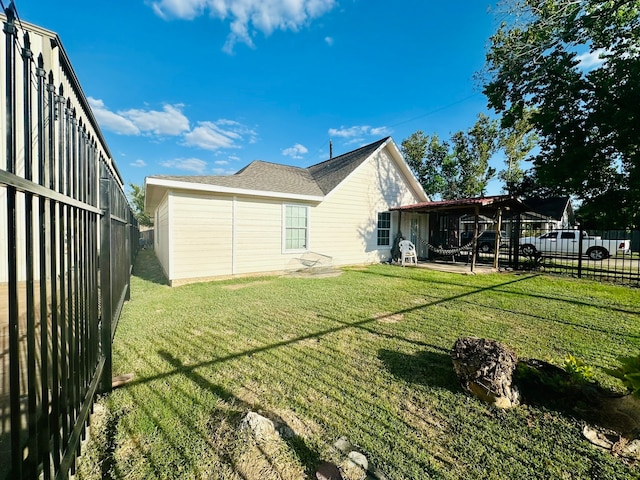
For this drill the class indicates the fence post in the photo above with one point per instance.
(516, 242)
(580, 235)
(105, 280)
(12, 262)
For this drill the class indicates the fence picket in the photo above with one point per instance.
(67, 259)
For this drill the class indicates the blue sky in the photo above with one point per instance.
(203, 87)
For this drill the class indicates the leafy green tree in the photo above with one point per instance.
(587, 118)
(136, 198)
(473, 150)
(458, 168)
(516, 143)
(425, 156)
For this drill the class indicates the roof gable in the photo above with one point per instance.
(330, 173)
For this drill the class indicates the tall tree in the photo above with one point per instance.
(136, 198)
(458, 168)
(516, 142)
(425, 156)
(587, 117)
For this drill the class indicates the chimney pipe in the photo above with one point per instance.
(330, 149)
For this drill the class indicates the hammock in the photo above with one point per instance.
(443, 251)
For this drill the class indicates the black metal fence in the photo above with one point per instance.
(603, 255)
(67, 247)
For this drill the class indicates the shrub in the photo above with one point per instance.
(629, 373)
(579, 371)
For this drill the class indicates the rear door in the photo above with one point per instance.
(568, 243)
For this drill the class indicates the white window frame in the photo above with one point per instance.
(378, 229)
(284, 228)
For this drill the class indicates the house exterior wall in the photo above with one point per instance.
(161, 236)
(344, 226)
(201, 228)
(258, 236)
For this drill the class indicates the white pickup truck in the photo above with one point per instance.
(566, 242)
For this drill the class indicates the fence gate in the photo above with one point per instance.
(66, 252)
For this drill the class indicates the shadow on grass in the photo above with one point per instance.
(427, 368)
(147, 267)
(523, 276)
(548, 386)
(308, 457)
(321, 333)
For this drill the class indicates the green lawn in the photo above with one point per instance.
(363, 355)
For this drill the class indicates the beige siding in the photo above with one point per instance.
(220, 235)
(161, 235)
(258, 240)
(344, 226)
(201, 235)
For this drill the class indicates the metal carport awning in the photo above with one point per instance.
(490, 206)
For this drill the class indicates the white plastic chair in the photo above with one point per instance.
(408, 252)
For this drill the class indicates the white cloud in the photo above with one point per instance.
(591, 60)
(329, 41)
(168, 121)
(189, 164)
(359, 131)
(221, 162)
(139, 164)
(112, 121)
(247, 16)
(220, 134)
(297, 151)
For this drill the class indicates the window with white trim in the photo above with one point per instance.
(296, 229)
(384, 228)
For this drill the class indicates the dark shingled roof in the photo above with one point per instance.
(330, 173)
(315, 180)
(258, 175)
(552, 207)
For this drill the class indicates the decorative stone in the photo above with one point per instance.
(631, 450)
(598, 438)
(328, 471)
(261, 427)
(343, 445)
(359, 459)
(485, 369)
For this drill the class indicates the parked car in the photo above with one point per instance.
(486, 240)
(567, 242)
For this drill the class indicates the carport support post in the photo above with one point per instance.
(496, 249)
(474, 247)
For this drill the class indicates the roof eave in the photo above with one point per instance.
(162, 184)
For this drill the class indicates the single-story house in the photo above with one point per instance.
(272, 218)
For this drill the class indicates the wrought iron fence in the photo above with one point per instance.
(68, 246)
(604, 255)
